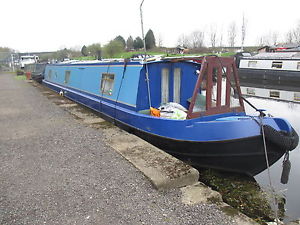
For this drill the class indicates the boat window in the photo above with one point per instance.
(49, 74)
(250, 91)
(177, 82)
(67, 76)
(252, 63)
(233, 90)
(223, 89)
(200, 101)
(214, 86)
(164, 85)
(297, 96)
(107, 83)
(298, 65)
(274, 94)
(277, 64)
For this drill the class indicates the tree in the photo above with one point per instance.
(150, 40)
(289, 37)
(121, 39)
(112, 48)
(275, 37)
(221, 40)
(138, 43)
(184, 41)
(296, 33)
(129, 43)
(197, 39)
(264, 40)
(84, 51)
(63, 54)
(95, 50)
(213, 36)
(232, 34)
(5, 53)
(160, 40)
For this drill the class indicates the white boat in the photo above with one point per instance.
(28, 59)
(273, 66)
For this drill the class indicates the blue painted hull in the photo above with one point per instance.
(230, 142)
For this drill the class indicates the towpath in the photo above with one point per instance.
(56, 170)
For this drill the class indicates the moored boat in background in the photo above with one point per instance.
(272, 66)
(215, 131)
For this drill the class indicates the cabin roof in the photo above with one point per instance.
(95, 62)
(159, 59)
(275, 55)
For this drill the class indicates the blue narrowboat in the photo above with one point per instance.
(214, 131)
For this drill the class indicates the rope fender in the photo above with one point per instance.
(287, 141)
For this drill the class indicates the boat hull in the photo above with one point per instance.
(246, 156)
(242, 155)
(282, 76)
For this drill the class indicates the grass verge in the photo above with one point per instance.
(20, 77)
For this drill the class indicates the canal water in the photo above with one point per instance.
(289, 110)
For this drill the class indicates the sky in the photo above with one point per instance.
(44, 25)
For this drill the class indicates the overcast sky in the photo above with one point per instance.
(40, 25)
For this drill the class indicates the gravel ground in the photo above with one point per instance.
(56, 170)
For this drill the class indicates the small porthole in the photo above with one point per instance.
(277, 64)
(274, 94)
(250, 91)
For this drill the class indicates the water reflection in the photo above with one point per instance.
(290, 110)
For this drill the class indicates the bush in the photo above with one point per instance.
(20, 72)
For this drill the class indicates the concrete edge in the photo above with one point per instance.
(163, 170)
(200, 193)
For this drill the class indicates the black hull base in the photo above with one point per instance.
(244, 156)
(282, 76)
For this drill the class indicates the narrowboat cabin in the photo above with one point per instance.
(190, 107)
(272, 66)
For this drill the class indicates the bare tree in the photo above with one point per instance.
(221, 37)
(197, 39)
(160, 40)
(184, 41)
(296, 33)
(275, 36)
(221, 40)
(232, 34)
(213, 36)
(244, 25)
(264, 40)
(289, 37)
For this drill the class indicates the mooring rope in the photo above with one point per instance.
(119, 90)
(268, 168)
